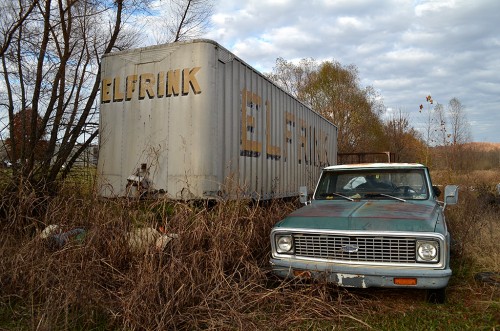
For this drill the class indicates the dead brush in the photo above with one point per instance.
(69, 286)
(21, 206)
(215, 275)
(474, 223)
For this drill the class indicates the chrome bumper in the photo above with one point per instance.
(361, 276)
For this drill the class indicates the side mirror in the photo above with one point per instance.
(303, 195)
(451, 194)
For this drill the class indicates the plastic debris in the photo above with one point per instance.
(163, 241)
(56, 238)
(488, 277)
(50, 230)
(142, 239)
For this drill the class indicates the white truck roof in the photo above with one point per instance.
(374, 166)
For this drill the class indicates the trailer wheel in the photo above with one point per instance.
(437, 296)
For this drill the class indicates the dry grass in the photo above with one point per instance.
(475, 221)
(484, 146)
(215, 275)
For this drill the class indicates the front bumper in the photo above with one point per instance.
(361, 276)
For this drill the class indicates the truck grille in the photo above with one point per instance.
(360, 248)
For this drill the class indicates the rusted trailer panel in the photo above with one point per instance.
(193, 121)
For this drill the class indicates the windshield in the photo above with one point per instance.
(399, 184)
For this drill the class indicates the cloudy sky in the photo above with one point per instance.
(405, 49)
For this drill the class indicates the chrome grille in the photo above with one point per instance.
(355, 248)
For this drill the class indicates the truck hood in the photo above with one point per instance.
(420, 216)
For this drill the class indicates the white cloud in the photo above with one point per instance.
(409, 56)
(350, 22)
(433, 6)
(405, 49)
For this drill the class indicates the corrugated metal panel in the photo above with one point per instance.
(228, 132)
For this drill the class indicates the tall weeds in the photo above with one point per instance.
(475, 226)
(214, 275)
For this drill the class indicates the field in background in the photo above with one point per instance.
(215, 274)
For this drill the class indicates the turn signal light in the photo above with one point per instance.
(405, 281)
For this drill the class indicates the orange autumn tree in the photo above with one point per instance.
(334, 91)
(23, 141)
(50, 57)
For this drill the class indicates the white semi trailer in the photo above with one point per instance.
(190, 120)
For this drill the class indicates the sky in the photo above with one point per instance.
(405, 49)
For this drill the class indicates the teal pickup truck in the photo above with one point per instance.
(369, 225)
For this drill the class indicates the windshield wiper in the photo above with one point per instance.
(337, 195)
(372, 195)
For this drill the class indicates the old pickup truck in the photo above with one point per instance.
(369, 225)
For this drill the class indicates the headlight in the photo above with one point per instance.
(427, 251)
(284, 244)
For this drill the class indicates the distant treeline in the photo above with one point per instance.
(470, 156)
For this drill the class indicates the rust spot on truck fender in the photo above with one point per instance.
(397, 210)
(389, 210)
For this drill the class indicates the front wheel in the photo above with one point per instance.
(436, 295)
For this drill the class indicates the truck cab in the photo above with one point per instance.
(369, 225)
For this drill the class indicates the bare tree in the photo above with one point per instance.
(435, 129)
(447, 131)
(441, 137)
(50, 69)
(402, 139)
(50, 54)
(440, 134)
(459, 125)
(292, 77)
(459, 134)
(15, 15)
(183, 19)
